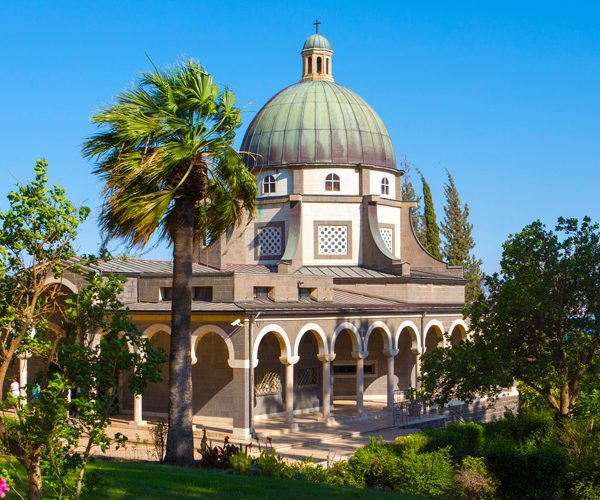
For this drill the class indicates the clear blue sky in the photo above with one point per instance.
(506, 95)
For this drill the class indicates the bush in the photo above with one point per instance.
(474, 480)
(373, 465)
(413, 443)
(425, 473)
(241, 462)
(527, 470)
(463, 440)
(537, 427)
(272, 465)
(309, 471)
(340, 474)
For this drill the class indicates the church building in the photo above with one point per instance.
(325, 293)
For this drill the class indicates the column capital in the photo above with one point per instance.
(325, 358)
(359, 354)
(24, 355)
(417, 351)
(390, 352)
(289, 360)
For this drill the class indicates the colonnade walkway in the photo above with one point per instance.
(311, 436)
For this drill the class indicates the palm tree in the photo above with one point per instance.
(165, 154)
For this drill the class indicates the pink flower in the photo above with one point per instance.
(4, 489)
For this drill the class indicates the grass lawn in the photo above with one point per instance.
(129, 480)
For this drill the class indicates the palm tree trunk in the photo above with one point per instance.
(180, 438)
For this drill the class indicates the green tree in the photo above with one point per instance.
(431, 231)
(36, 248)
(410, 194)
(165, 154)
(458, 240)
(538, 322)
(41, 437)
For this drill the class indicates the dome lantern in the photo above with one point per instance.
(316, 57)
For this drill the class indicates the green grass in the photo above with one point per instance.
(129, 480)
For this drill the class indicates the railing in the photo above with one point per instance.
(404, 410)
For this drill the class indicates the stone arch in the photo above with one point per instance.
(64, 282)
(319, 335)
(379, 325)
(354, 336)
(201, 331)
(281, 336)
(416, 339)
(434, 325)
(458, 331)
(155, 328)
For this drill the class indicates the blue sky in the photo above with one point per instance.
(506, 95)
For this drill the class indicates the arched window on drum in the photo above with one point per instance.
(385, 186)
(332, 182)
(269, 184)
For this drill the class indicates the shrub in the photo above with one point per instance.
(474, 480)
(537, 427)
(217, 457)
(412, 442)
(527, 470)
(373, 465)
(241, 462)
(340, 474)
(463, 439)
(425, 473)
(272, 465)
(309, 471)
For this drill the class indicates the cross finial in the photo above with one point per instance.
(316, 23)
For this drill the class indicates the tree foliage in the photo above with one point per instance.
(431, 231)
(36, 248)
(165, 152)
(538, 322)
(458, 240)
(409, 193)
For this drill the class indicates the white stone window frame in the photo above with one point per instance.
(257, 249)
(385, 186)
(269, 184)
(332, 183)
(319, 223)
(372, 363)
(392, 227)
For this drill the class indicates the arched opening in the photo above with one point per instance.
(212, 377)
(375, 366)
(319, 65)
(332, 182)
(458, 335)
(309, 65)
(327, 65)
(406, 360)
(156, 396)
(269, 376)
(385, 186)
(308, 383)
(434, 338)
(269, 185)
(344, 366)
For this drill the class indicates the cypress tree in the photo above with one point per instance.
(458, 240)
(410, 194)
(431, 236)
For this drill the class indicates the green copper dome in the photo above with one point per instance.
(316, 41)
(317, 121)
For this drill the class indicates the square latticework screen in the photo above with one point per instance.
(333, 240)
(270, 241)
(267, 383)
(387, 235)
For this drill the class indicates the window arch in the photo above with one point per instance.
(319, 65)
(385, 186)
(269, 184)
(332, 182)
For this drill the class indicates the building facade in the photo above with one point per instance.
(324, 293)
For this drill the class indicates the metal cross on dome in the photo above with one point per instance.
(316, 24)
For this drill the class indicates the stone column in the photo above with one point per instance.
(360, 380)
(23, 375)
(326, 359)
(289, 362)
(240, 411)
(390, 354)
(137, 410)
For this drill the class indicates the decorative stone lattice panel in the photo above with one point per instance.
(308, 377)
(267, 383)
(387, 235)
(333, 240)
(270, 241)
